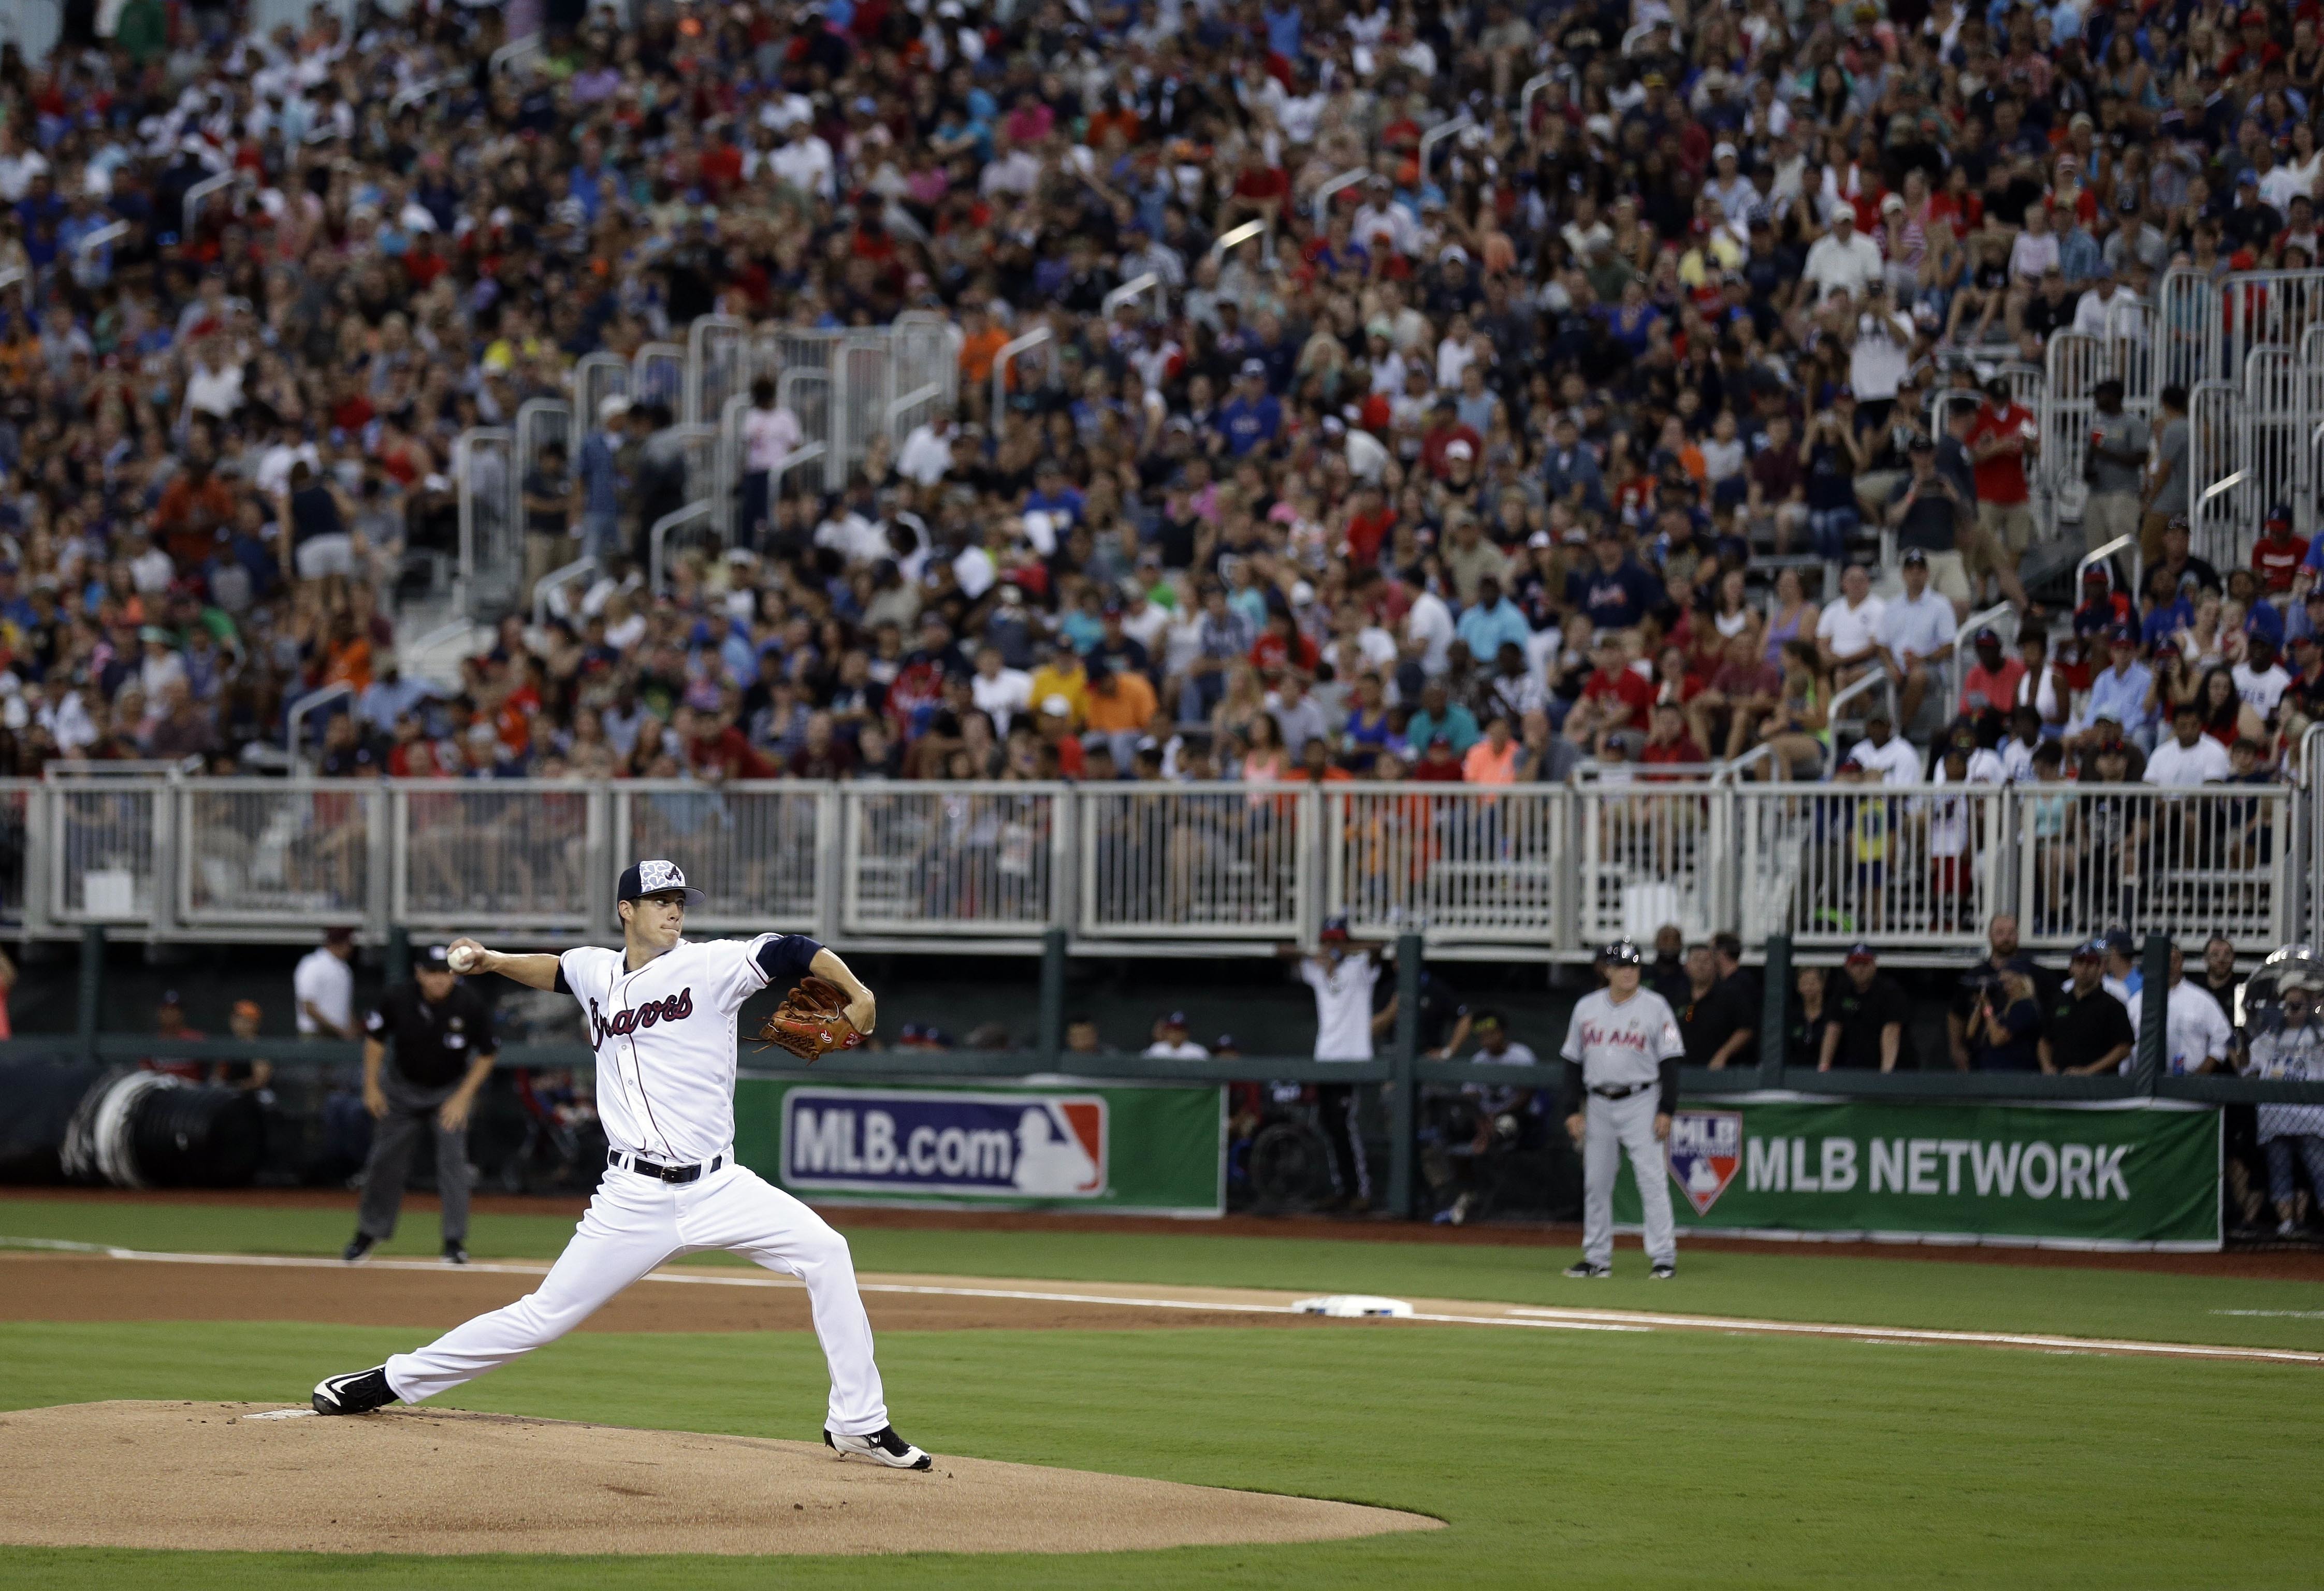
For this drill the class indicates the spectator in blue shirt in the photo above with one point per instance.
(1490, 620)
(1570, 466)
(1440, 715)
(1617, 594)
(601, 480)
(1053, 495)
(1253, 417)
(2119, 692)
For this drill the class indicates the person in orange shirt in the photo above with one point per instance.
(1121, 704)
(1494, 759)
(981, 343)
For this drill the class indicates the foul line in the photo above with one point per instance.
(1537, 1318)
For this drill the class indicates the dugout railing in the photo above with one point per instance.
(1481, 873)
(1400, 1071)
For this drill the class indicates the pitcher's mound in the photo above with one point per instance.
(245, 1476)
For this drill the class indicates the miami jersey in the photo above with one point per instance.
(1625, 1045)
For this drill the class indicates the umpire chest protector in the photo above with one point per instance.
(432, 1043)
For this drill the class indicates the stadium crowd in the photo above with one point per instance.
(1536, 452)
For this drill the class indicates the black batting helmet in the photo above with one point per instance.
(1620, 953)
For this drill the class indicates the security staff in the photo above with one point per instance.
(444, 1050)
(1622, 1049)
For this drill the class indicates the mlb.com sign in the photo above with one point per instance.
(2145, 1173)
(956, 1144)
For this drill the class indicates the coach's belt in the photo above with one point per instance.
(1624, 1092)
(630, 1163)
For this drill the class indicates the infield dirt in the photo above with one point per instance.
(209, 1475)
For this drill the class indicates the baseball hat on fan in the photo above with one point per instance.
(1334, 930)
(656, 878)
(1620, 953)
(434, 958)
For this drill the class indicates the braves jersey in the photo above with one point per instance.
(665, 1036)
(1625, 1045)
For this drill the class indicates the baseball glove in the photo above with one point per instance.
(811, 1022)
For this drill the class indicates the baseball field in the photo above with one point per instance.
(1777, 1416)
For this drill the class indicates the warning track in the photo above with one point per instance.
(49, 1280)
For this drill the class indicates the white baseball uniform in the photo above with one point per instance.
(1620, 1049)
(665, 1036)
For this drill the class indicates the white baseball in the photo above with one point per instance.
(464, 957)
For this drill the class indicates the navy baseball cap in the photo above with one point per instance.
(1860, 951)
(2280, 514)
(2119, 941)
(1620, 953)
(434, 958)
(2091, 950)
(1335, 928)
(656, 878)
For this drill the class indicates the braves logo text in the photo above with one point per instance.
(675, 1007)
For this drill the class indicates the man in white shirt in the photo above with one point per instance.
(1916, 633)
(1843, 259)
(1171, 1043)
(1885, 751)
(926, 453)
(2106, 308)
(804, 162)
(1344, 979)
(2196, 1037)
(1428, 632)
(323, 988)
(1882, 352)
(2259, 678)
(1000, 692)
(1847, 634)
(2189, 756)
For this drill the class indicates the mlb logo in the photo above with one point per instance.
(1706, 1146)
(1076, 1167)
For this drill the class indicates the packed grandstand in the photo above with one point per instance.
(1627, 432)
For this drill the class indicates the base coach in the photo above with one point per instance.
(441, 1033)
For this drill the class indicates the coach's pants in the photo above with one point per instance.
(411, 1109)
(1336, 1104)
(1613, 1125)
(634, 1223)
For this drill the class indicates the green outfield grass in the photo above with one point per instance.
(1557, 1458)
(1776, 1282)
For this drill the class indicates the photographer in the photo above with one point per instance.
(1829, 460)
(2004, 1030)
(1926, 512)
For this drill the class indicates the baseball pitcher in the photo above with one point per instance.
(1622, 1049)
(661, 1017)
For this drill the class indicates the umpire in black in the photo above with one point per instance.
(442, 1033)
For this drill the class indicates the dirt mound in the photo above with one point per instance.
(245, 1477)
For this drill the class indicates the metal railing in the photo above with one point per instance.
(1451, 127)
(1330, 188)
(2002, 620)
(1008, 356)
(193, 207)
(696, 522)
(295, 721)
(1199, 869)
(658, 376)
(484, 484)
(555, 580)
(1136, 288)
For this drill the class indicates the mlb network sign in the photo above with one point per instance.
(2141, 1176)
(957, 1146)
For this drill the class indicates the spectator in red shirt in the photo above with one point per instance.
(1439, 764)
(1999, 439)
(1744, 689)
(1667, 740)
(1992, 680)
(2277, 555)
(1617, 692)
(1370, 521)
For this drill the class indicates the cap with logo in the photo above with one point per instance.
(1620, 953)
(656, 878)
(1860, 951)
(434, 958)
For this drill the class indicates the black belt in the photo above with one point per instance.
(1603, 1092)
(630, 1163)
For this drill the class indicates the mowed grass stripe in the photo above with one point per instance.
(1778, 1283)
(1573, 1459)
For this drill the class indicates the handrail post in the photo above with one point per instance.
(1001, 361)
(1400, 1088)
(2148, 1061)
(1329, 188)
(1775, 1006)
(92, 988)
(1437, 134)
(1052, 1039)
(398, 954)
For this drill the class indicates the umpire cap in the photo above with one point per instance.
(1620, 953)
(656, 878)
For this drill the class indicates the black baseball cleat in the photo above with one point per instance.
(1661, 1273)
(359, 1249)
(882, 1446)
(359, 1391)
(455, 1253)
(1589, 1271)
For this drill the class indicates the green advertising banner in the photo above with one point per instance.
(1061, 1145)
(2140, 1174)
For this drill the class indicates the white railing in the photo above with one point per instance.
(716, 359)
(1328, 189)
(658, 376)
(1204, 870)
(483, 481)
(195, 195)
(1008, 356)
(697, 524)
